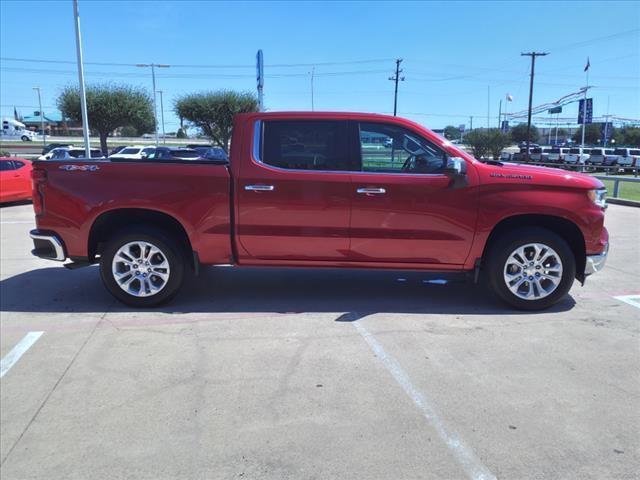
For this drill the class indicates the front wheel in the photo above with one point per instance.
(142, 267)
(530, 268)
(24, 138)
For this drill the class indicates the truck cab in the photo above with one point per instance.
(15, 130)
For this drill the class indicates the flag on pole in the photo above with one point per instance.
(509, 98)
(586, 67)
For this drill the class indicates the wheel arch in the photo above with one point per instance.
(113, 220)
(562, 227)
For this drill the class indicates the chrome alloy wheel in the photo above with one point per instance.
(533, 271)
(140, 268)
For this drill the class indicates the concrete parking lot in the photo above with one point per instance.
(301, 374)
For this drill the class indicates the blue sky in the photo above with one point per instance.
(453, 52)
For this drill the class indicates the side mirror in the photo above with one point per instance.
(456, 167)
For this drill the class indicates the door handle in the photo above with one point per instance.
(374, 191)
(259, 188)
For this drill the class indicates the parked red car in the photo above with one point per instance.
(15, 179)
(324, 190)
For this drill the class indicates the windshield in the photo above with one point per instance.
(129, 151)
(574, 150)
(620, 151)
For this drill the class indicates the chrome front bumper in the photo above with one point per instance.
(595, 263)
(47, 245)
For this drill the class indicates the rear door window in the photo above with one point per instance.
(6, 165)
(306, 145)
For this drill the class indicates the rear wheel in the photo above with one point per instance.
(142, 267)
(530, 268)
(24, 138)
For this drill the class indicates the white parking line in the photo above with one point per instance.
(472, 465)
(633, 300)
(16, 352)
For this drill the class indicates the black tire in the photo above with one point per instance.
(500, 251)
(168, 247)
(24, 138)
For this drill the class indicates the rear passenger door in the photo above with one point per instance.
(294, 194)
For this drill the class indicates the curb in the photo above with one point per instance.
(620, 201)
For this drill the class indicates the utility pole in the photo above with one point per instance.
(396, 78)
(471, 122)
(313, 69)
(606, 123)
(164, 136)
(488, 106)
(83, 96)
(500, 116)
(153, 80)
(533, 56)
(44, 137)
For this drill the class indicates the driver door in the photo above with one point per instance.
(404, 208)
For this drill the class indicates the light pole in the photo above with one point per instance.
(313, 71)
(83, 96)
(153, 79)
(164, 137)
(44, 137)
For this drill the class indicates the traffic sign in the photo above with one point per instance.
(555, 110)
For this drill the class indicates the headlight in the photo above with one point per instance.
(599, 197)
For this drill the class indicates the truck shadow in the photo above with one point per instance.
(277, 290)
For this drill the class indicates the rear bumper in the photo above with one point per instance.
(47, 245)
(595, 263)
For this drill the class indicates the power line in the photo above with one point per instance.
(274, 65)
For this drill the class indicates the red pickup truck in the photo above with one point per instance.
(309, 189)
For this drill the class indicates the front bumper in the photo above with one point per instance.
(595, 263)
(47, 245)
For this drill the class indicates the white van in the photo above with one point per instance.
(15, 130)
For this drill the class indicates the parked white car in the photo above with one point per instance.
(506, 156)
(599, 155)
(627, 157)
(134, 152)
(69, 153)
(536, 154)
(557, 154)
(577, 155)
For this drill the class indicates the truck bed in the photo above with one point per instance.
(195, 194)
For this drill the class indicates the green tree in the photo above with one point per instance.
(129, 131)
(631, 136)
(519, 133)
(497, 141)
(109, 106)
(213, 112)
(485, 142)
(477, 140)
(451, 132)
(592, 134)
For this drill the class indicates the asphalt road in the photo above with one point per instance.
(301, 374)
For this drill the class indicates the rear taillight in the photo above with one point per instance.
(39, 178)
